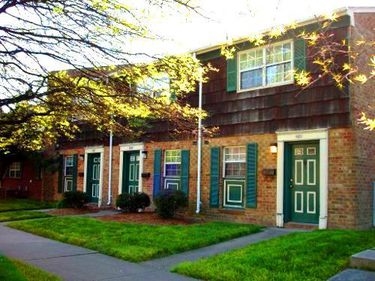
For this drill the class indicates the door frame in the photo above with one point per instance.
(131, 147)
(319, 135)
(89, 150)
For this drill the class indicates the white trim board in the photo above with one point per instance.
(89, 150)
(130, 147)
(320, 135)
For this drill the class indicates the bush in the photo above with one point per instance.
(73, 199)
(133, 202)
(168, 201)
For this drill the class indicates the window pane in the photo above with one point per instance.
(15, 170)
(278, 73)
(69, 161)
(173, 156)
(235, 169)
(69, 164)
(287, 52)
(172, 169)
(172, 163)
(251, 59)
(251, 79)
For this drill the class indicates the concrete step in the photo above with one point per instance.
(364, 260)
(351, 274)
(298, 225)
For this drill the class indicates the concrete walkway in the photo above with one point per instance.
(74, 263)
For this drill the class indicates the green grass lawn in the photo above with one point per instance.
(14, 270)
(23, 204)
(316, 255)
(21, 215)
(133, 242)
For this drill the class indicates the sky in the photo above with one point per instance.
(237, 18)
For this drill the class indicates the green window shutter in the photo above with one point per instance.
(185, 162)
(299, 54)
(251, 175)
(75, 171)
(157, 172)
(232, 74)
(215, 177)
(60, 174)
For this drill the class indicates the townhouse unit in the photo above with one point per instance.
(283, 154)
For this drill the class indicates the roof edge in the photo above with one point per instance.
(340, 12)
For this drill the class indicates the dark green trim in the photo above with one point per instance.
(232, 74)
(287, 176)
(299, 54)
(185, 163)
(60, 174)
(215, 177)
(157, 172)
(75, 171)
(251, 175)
(209, 55)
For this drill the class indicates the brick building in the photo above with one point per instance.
(322, 165)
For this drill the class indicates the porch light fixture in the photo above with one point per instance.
(144, 154)
(273, 148)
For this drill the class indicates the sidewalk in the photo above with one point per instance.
(74, 263)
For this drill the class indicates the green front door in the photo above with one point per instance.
(130, 172)
(93, 176)
(304, 183)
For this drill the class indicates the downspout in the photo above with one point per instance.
(199, 144)
(110, 168)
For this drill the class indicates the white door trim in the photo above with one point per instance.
(131, 147)
(320, 135)
(89, 150)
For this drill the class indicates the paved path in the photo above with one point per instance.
(74, 263)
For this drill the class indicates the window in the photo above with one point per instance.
(68, 165)
(158, 86)
(234, 162)
(265, 66)
(237, 187)
(172, 165)
(68, 172)
(15, 170)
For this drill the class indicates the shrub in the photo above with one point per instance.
(133, 202)
(73, 199)
(168, 201)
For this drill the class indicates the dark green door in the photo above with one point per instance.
(304, 183)
(93, 176)
(130, 172)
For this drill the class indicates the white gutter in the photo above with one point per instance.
(199, 144)
(110, 168)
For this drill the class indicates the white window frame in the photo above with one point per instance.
(225, 161)
(166, 162)
(15, 170)
(68, 163)
(265, 65)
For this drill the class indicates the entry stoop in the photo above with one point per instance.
(298, 225)
(364, 260)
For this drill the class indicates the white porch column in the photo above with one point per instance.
(280, 185)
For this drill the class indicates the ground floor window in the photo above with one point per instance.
(15, 170)
(171, 170)
(233, 176)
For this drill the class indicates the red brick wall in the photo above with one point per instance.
(363, 100)
(266, 198)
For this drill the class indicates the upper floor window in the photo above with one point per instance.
(172, 163)
(265, 66)
(234, 162)
(15, 170)
(157, 86)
